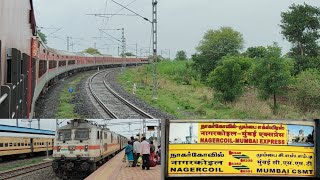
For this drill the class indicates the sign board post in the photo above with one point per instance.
(247, 148)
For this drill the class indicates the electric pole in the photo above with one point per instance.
(155, 47)
(57, 124)
(154, 43)
(123, 44)
(136, 50)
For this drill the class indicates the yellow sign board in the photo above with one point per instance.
(241, 149)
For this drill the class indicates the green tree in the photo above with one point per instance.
(214, 45)
(272, 74)
(306, 90)
(230, 77)
(128, 54)
(300, 26)
(92, 51)
(42, 36)
(181, 55)
(305, 62)
(256, 52)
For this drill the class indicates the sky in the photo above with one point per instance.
(184, 130)
(120, 126)
(296, 128)
(181, 23)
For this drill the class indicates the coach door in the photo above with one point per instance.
(105, 141)
(31, 144)
(100, 141)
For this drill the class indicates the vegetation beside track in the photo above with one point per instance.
(66, 107)
(196, 100)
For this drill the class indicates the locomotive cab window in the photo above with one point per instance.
(81, 134)
(64, 135)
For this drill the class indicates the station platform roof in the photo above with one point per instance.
(15, 129)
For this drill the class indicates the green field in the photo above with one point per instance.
(196, 101)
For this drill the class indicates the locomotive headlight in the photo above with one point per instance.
(86, 148)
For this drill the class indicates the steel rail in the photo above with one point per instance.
(133, 107)
(24, 170)
(105, 108)
(102, 105)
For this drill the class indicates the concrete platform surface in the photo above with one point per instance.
(115, 169)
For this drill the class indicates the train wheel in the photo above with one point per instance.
(93, 167)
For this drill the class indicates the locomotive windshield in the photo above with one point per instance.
(64, 135)
(82, 134)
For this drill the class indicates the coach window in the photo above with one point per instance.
(1, 144)
(15, 144)
(98, 132)
(6, 145)
(18, 144)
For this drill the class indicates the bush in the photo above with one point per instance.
(230, 77)
(307, 90)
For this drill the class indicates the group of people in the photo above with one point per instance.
(134, 150)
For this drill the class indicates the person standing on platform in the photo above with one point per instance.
(152, 163)
(136, 152)
(132, 140)
(129, 153)
(145, 152)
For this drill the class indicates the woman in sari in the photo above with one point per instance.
(129, 153)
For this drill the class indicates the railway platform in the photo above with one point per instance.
(115, 169)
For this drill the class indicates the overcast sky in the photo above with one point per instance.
(182, 23)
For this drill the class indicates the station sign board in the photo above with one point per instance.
(240, 148)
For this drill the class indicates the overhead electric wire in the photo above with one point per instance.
(131, 11)
(123, 8)
(111, 36)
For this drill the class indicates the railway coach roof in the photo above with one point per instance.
(6, 128)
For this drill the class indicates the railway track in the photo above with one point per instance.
(24, 170)
(112, 103)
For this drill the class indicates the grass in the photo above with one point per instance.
(66, 108)
(21, 164)
(196, 101)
